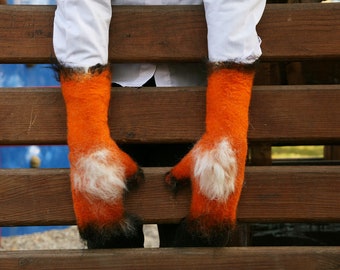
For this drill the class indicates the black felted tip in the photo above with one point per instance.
(214, 66)
(128, 233)
(61, 69)
(134, 181)
(175, 184)
(191, 233)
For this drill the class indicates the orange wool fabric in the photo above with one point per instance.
(227, 105)
(87, 97)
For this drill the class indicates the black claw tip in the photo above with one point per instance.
(134, 181)
(175, 184)
(172, 182)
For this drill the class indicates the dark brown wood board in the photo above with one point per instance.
(300, 114)
(140, 34)
(258, 258)
(270, 194)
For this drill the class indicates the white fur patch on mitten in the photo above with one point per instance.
(99, 176)
(215, 170)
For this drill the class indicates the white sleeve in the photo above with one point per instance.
(232, 32)
(81, 32)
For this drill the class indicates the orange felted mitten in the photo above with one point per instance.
(99, 169)
(216, 163)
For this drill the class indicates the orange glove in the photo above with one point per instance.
(216, 164)
(99, 169)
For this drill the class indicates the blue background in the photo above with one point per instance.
(21, 75)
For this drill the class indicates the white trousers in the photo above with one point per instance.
(81, 33)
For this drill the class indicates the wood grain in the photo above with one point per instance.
(278, 114)
(255, 258)
(273, 194)
(140, 34)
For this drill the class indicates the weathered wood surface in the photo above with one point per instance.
(144, 33)
(264, 258)
(279, 114)
(283, 193)
(303, 114)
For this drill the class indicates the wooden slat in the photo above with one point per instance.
(299, 114)
(37, 197)
(264, 258)
(145, 34)
(300, 31)
(295, 113)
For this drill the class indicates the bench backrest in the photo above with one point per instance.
(280, 115)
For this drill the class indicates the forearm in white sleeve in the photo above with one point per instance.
(81, 32)
(232, 35)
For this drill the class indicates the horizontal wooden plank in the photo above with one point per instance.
(300, 31)
(273, 194)
(270, 258)
(278, 114)
(300, 114)
(140, 34)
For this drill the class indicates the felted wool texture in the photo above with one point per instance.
(127, 233)
(227, 106)
(190, 233)
(217, 164)
(95, 158)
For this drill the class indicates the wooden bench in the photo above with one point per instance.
(280, 115)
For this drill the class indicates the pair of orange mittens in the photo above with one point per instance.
(100, 170)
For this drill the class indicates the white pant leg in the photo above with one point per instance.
(81, 32)
(232, 32)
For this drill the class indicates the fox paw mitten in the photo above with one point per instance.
(99, 169)
(216, 163)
